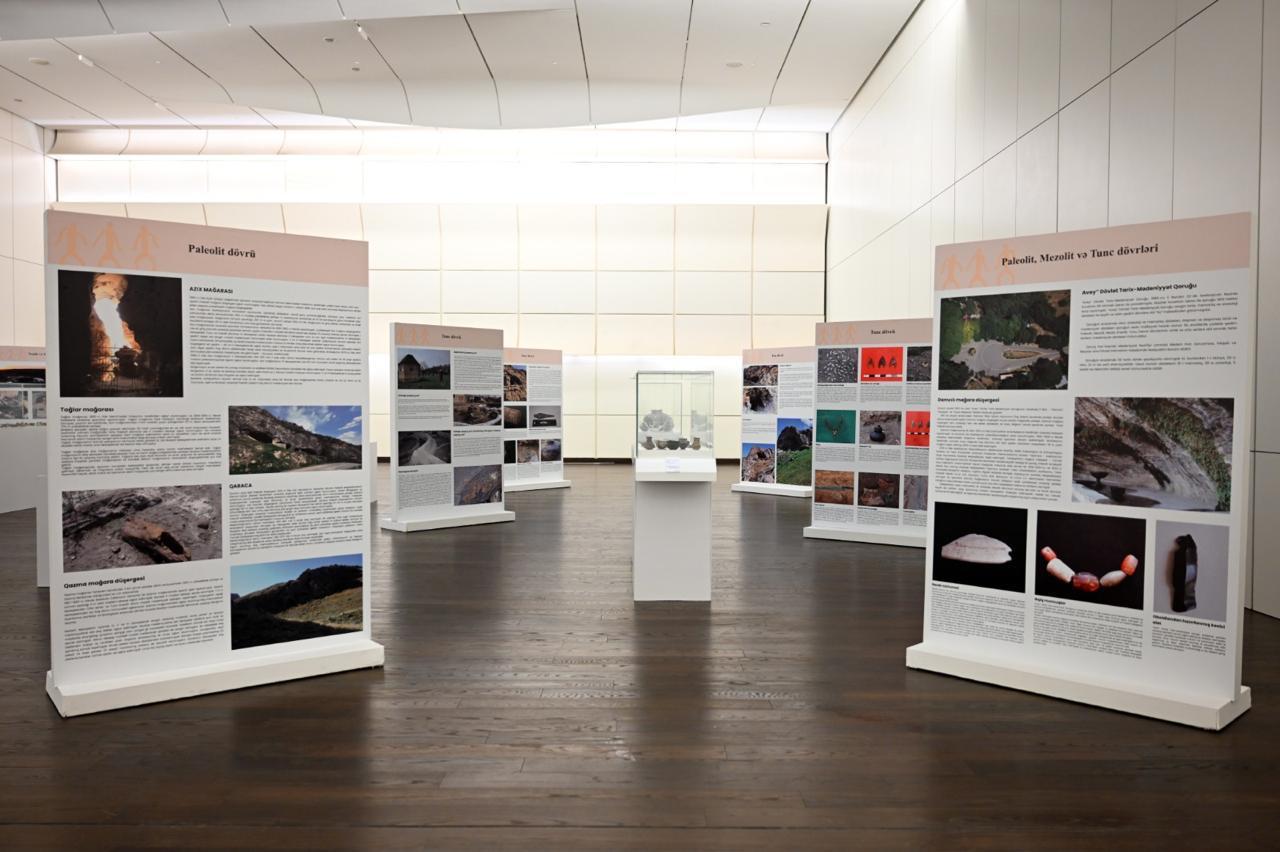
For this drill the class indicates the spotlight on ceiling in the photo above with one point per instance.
(38, 60)
(734, 64)
(84, 59)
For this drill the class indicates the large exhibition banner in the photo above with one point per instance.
(1090, 477)
(872, 431)
(22, 426)
(777, 421)
(446, 427)
(209, 512)
(533, 419)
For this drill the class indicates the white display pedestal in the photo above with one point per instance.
(1183, 709)
(896, 539)
(113, 694)
(775, 490)
(42, 536)
(387, 522)
(672, 557)
(535, 485)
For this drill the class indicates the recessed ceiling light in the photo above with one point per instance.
(157, 105)
(17, 100)
(766, 23)
(38, 60)
(364, 35)
(734, 64)
(329, 39)
(355, 66)
(84, 59)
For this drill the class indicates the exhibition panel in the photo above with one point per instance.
(533, 419)
(447, 416)
(675, 466)
(1090, 490)
(23, 412)
(777, 421)
(206, 484)
(872, 431)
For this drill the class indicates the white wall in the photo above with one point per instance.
(22, 202)
(993, 118)
(617, 286)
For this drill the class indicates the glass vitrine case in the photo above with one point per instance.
(675, 414)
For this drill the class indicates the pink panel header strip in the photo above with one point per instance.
(25, 354)
(447, 336)
(780, 355)
(1156, 248)
(130, 245)
(867, 332)
(551, 357)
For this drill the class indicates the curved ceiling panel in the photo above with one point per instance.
(691, 64)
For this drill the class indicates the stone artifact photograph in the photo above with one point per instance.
(127, 527)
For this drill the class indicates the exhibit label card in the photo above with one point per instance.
(22, 386)
(532, 415)
(1089, 482)
(777, 417)
(872, 429)
(447, 417)
(207, 390)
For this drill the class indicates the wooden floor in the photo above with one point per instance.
(527, 704)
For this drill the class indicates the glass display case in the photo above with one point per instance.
(675, 414)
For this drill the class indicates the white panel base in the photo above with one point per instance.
(1185, 710)
(114, 694)
(390, 523)
(672, 560)
(536, 485)
(896, 539)
(776, 490)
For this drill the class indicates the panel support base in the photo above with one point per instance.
(387, 522)
(775, 490)
(1185, 710)
(896, 539)
(535, 485)
(113, 694)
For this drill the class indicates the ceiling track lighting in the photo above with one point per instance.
(85, 60)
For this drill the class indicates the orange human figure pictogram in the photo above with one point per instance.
(71, 237)
(142, 244)
(111, 243)
(978, 278)
(950, 267)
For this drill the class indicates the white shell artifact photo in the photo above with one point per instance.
(980, 549)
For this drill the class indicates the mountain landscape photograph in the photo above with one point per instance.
(274, 602)
(286, 438)
(795, 451)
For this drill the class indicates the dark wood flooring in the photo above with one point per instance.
(527, 704)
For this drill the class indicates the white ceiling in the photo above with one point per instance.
(691, 64)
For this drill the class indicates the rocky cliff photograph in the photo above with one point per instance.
(119, 335)
(289, 438)
(274, 602)
(760, 374)
(919, 363)
(515, 417)
(480, 483)
(759, 401)
(127, 527)
(12, 405)
(878, 490)
(422, 369)
(21, 374)
(795, 451)
(550, 451)
(833, 486)
(758, 461)
(1153, 452)
(515, 382)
